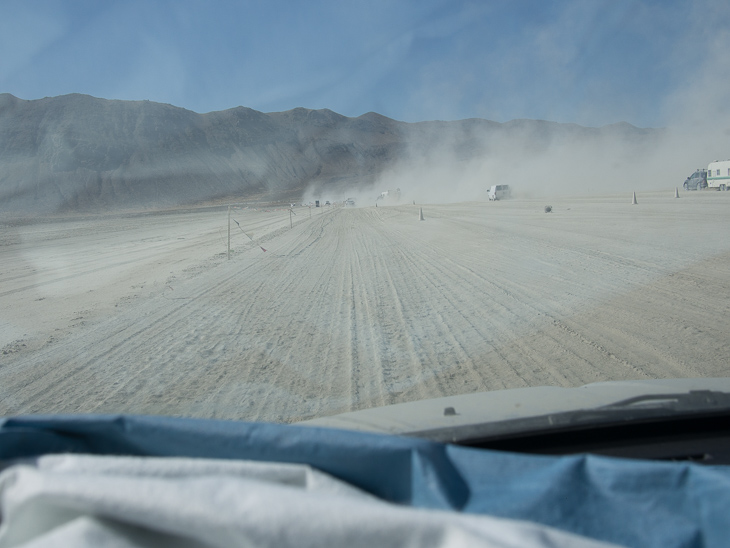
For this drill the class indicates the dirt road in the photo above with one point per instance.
(359, 307)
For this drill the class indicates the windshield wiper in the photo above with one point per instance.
(694, 400)
(639, 409)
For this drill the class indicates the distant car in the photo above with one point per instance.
(696, 181)
(327, 202)
(499, 192)
(350, 202)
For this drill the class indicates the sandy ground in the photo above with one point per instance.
(354, 308)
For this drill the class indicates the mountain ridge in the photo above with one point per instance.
(78, 152)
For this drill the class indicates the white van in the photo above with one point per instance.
(498, 192)
(718, 175)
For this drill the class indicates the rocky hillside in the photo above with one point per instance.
(77, 152)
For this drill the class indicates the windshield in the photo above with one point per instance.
(282, 211)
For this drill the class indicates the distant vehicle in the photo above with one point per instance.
(718, 175)
(316, 203)
(499, 192)
(350, 202)
(696, 181)
(327, 202)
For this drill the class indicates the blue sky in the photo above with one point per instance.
(591, 62)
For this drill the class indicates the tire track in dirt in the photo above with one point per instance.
(58, 254)
(372, 297)
(362, 307)
(456, 308)
(67, 382)
(421, 282)
(524, 299)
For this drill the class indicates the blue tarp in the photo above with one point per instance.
(629, 502)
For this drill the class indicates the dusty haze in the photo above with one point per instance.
(79, 153)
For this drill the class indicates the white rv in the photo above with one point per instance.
(718, 175)
(499, 192)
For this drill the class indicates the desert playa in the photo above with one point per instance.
(358, 307)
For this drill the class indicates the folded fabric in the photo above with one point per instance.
(120, 502)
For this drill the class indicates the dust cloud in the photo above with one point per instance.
(535, 158)
(540, 158)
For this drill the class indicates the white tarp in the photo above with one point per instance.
(120, 502)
